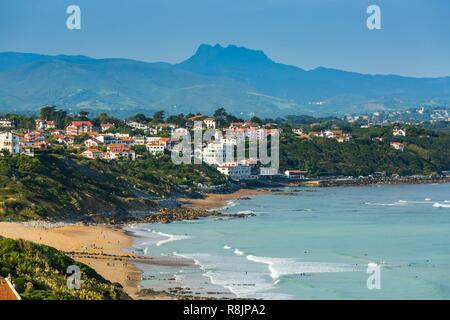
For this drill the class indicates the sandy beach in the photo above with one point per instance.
(102, 247)
(106, 248)
(214, 201)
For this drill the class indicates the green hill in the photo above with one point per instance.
(55, 186)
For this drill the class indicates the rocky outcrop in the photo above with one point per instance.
(167, 215)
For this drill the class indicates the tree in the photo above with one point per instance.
(220, 114)
(256, 120)
(47, 113)
(50, 113)
(83, 115)
(140, 117)
(158, 117)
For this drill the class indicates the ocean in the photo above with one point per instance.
(310, 243)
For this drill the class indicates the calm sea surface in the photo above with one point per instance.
(312, 243)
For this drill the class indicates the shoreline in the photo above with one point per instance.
(214, 201)
(105, 248)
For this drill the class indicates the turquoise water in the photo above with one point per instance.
(312, 244)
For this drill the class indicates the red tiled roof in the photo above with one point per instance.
(81, 123)
(6, 292)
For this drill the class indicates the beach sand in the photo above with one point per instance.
(102, 247)
(214, 201)
(106, 248)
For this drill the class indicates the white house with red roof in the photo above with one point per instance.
(106, 126)
(78, 127)
(92, 142)
(92, 154)
(42, 124)
(398, 146)
(118, 151)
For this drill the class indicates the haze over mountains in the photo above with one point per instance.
(243, 81)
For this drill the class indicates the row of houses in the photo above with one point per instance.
(339, 135)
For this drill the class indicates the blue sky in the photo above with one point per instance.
(414, 40)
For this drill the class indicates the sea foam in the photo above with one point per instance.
(441, 205)
(279, 267)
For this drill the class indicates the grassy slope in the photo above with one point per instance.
(56, 187)
(38, 272)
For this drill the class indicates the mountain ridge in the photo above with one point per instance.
(242, 80)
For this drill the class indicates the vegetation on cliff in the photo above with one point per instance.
(39, 273)
(59, 186)
(426, 151)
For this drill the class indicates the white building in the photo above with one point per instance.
(399, 132)
(156, 147)
(295, 174)
(210, 123)
(263, 171)
(42, 124)
(10, 142)
(236, 172)
(109, 139)
(6, 123)
(139, 140)
(214, 153)
(138, 125)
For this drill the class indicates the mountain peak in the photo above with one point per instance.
(231, 56)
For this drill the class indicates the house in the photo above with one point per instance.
(210, 123)
(266, 172)
(92, 154)
(108, 139)
(118, 151)
(398, 146)
(6, 123)
(169, 126)
(215, 153)
(92, 142)
(7, 290)
(40, 145)
(42, 124)
(78, 127)
(137, 125)
(298, 131)
(162, 140)
(332, 133)
(399, 132)
(139, 140)
(179, 133)
(236, 171)
(316, 134)
(295, 174)
(344, 138)
(156, 147)
(106, 126)
(10, 142)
